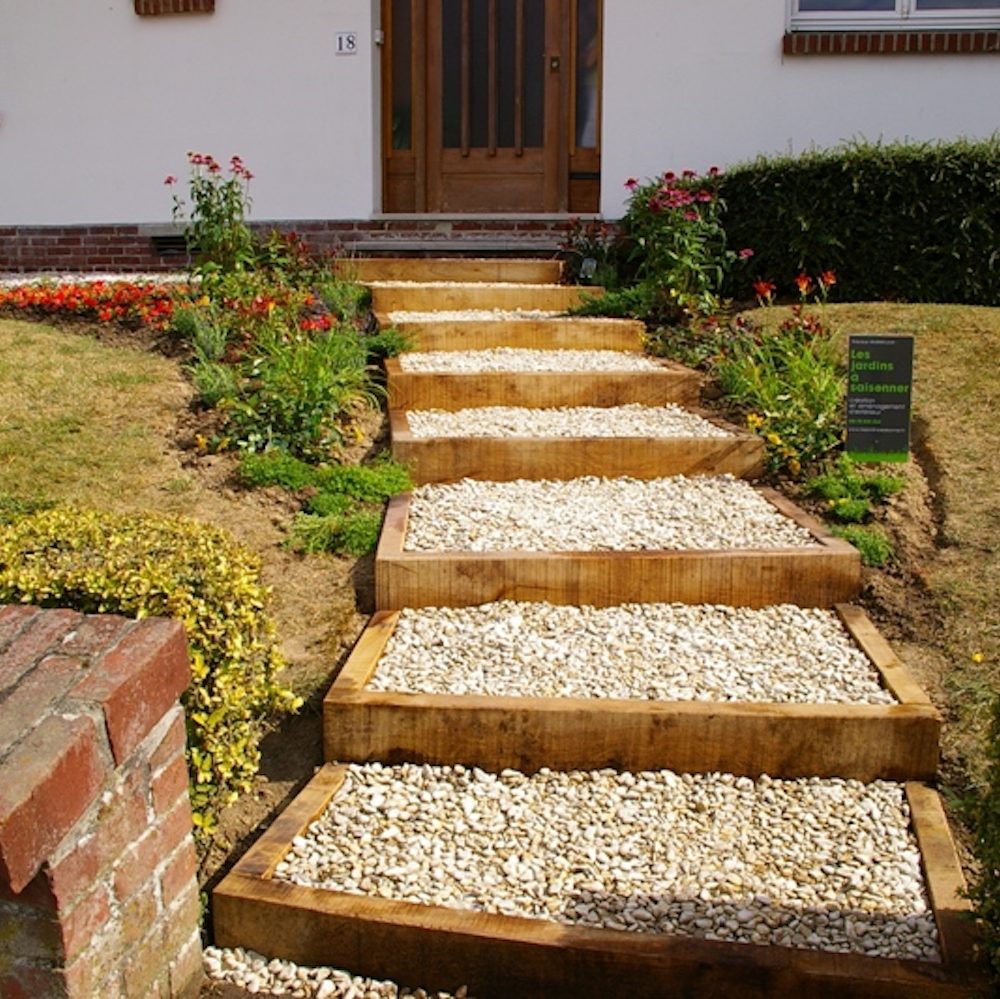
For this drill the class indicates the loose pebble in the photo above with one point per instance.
(259, 976)
(827, 864)
(632, 420)
(598, 514)
(401, 317)
(525, 360)
(675, 652)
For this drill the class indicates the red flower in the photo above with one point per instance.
(631, 183)
(827, 279)
(804, 283)
(713, 171)
(764, 289)
(689, 174)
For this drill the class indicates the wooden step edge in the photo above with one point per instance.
(497, 269)
(441, 947)
(863, 742)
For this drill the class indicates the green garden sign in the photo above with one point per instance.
(879, 384)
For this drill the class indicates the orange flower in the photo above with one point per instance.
(827, 279)
(804, 283)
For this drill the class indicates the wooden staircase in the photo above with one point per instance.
(501, 955)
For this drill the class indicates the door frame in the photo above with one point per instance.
(411, 177)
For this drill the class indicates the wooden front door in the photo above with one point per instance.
(480, 105)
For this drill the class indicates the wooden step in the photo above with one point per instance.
(864, 742)
(819, 576)
(506, 955)
(501, 459)
(495, 269)
(555, 333)
(390, 296)
(671, 382)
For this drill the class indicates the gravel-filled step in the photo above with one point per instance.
(826, 864)
(633, 420)
(707, 513)
(608, 883)
(519, 359)
(781, 690)
(672, 652)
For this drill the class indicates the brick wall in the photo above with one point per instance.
(98, 893)
(29, 249)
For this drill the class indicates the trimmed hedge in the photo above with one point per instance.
(149, 565)
(908, 222)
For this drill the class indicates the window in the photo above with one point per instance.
(896, 15)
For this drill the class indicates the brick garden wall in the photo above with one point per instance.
(98, 889)
(27, 249)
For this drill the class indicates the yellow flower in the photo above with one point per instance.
(200, 442)
(773, 438)
(754, 421)
(204, 300)
(977, 657)
(794, 467)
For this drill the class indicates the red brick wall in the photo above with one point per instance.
(143, 7)
(29, 249)
(890, 42)
(98, 893)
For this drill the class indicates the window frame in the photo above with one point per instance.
(905, 17)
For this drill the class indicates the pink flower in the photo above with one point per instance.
(670, 175)
(692, 216)
(631, 183)
(689, 174)
(170, 179)
(713, 171)
(746, 253)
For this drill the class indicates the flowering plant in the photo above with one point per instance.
(215, 224)
(97, 301)
(678, 243)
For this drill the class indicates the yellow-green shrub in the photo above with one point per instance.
(151, 565)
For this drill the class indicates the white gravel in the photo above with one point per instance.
(633, 420)
(486, 315)
(63, 277)
(525, 360)
(672, 652)
(826, 864)
(262, 976)
(598, 514)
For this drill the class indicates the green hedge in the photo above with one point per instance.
(149, 565)
(915, 223)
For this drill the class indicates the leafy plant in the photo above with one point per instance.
(791, 383)
(675, 244)
(218, 237)
(277, 468)
(590, 251)
(144, 565)
(872, 542)
(849, 492)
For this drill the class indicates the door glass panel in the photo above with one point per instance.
(534, 73)
(505, 66)
(402, 75)
(586, 74)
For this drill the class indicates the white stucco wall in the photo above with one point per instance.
(692, 83)
(99, 105)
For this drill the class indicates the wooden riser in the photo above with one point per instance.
(541, 389)
(503, 956)
(820, 576)
(865, 742)
(495, 270)
(527, 334)
(496, 295)
(501, 459)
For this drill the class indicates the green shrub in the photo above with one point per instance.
(276, 468)
(386, 343)
(985, 891)
(636, 302)
(146, 565)
(872, 542)
(300, 393)
(355, 530)
(214, 383)
(910, 222)
(372, 483)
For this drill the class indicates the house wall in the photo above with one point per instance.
(692, 83)
(98, 105)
